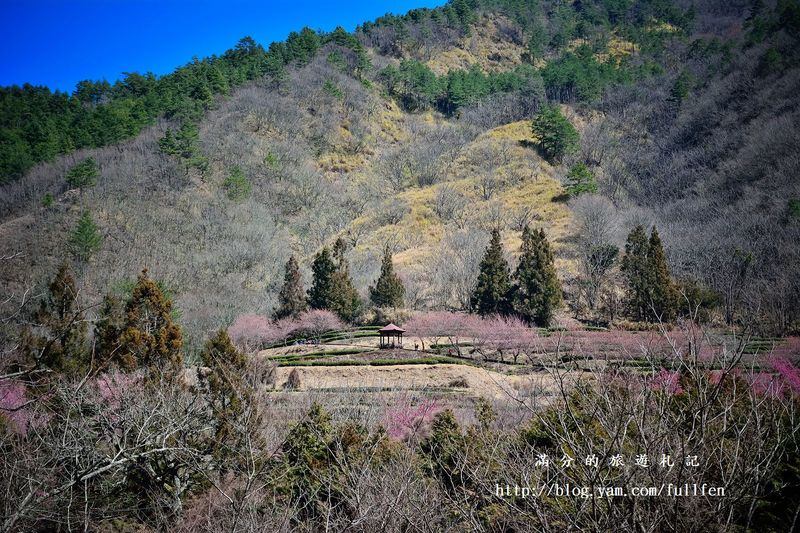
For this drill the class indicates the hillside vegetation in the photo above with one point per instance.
(415, 132)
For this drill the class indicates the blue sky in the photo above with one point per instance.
(57, 44)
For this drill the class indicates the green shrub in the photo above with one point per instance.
(580, 180)
(332, 89)
(84, 174)
(794, 208)
(237, 185)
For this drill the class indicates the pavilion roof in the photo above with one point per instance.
(391, 328)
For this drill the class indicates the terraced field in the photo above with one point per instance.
(351, 360)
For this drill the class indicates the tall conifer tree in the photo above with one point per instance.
(662, 290)
(61, 343)
(320, 295)
(651, 292)
(291, 299)
(537, 291)
(634, 267)
(150, 338)
(85, 239)
(108, 329)
(346, 301)
(492, 291)
(226, 368)
(332, 287)
(388, 290)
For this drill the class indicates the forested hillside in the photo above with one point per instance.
(415, 132)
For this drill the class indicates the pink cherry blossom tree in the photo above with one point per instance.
(410, 421)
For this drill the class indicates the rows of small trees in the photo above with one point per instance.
(532, 292)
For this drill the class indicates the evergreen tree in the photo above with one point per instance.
(301, 47)
(557, 137)
(443, 450)
(168, 144)
(320, 295)
(580, 180)
(662, 290)
(492, 291)
(651, 292)
(61, 344)
(307, 452)
(388, 290)
(85, 239)
(537, 291)
(224, 379)
(346, 301)
(681, 87)
(185, 145)
(237, 186)
(332, 287)
(634, 267)
(291, 299)
(84, 174)
(149, 337)
(108, 329)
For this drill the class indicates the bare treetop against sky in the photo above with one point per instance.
(58, 43)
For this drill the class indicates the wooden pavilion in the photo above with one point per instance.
(391, 336)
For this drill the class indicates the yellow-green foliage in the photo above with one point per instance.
(485, 46)
(527, 181)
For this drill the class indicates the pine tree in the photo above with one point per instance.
(236, 185)
(332, 287)
(651, 292)
(662, 290)
(185, 145)
(149, 338)
(580, 180)
(84, 174)
(226, 387)
(537, 291)
(492, 291)
(291, 299)
(306, 450)
(61, 346)
(346, 301)
(388, 290)
(634, 267)
(85, 239)
(320, 295)
(108, 329)
(557, 136)
(681, 87)
(443, 449)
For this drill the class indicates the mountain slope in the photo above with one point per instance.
(430, 147)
